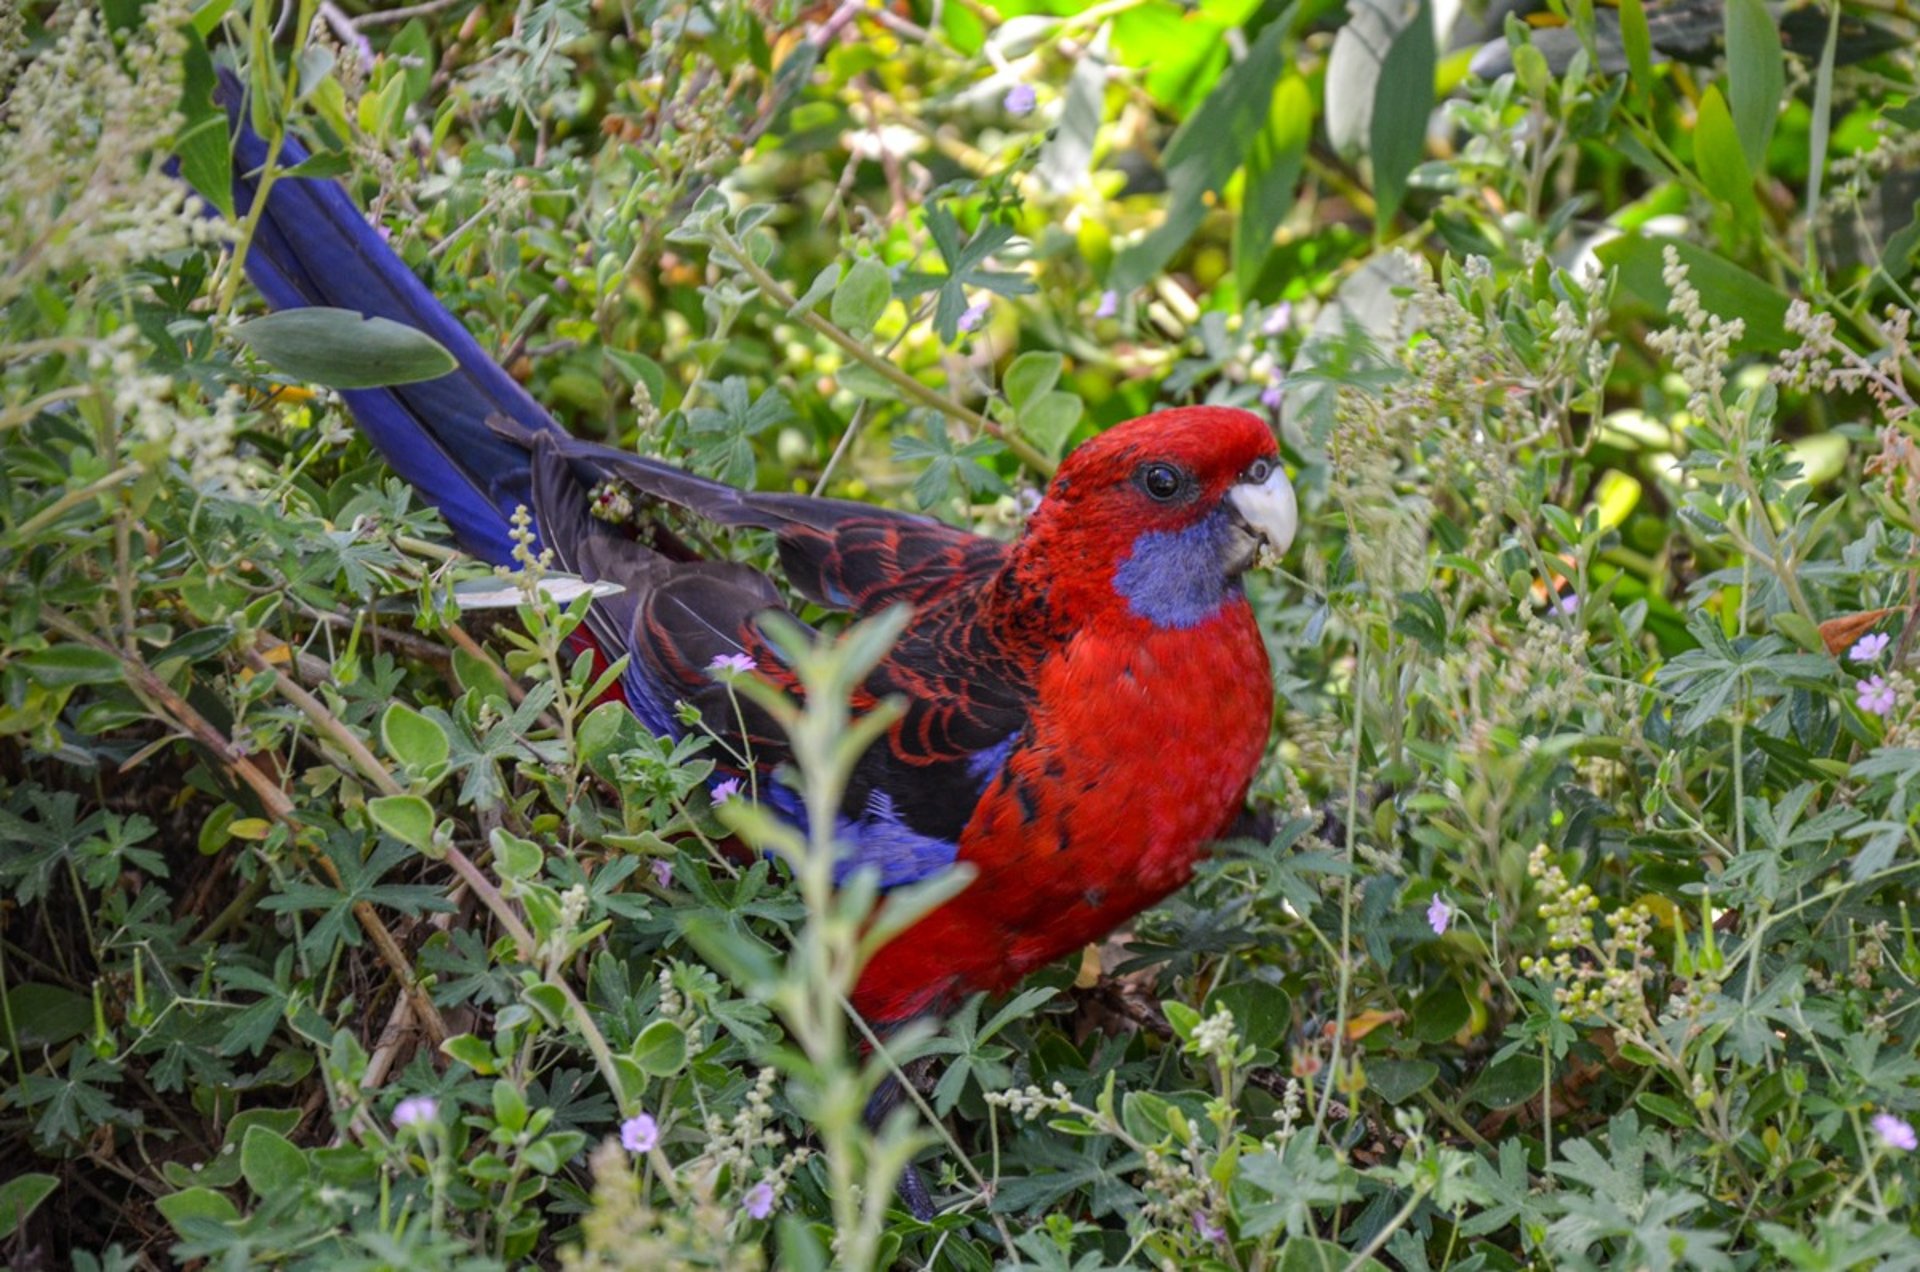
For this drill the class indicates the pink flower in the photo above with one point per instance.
(1109, 304)
(1868, 647)
(1208, 1229)
(1439, 915)
(663, 872)
(730, 665)
(416, 1110)
(758, 1203)
(1568, 604)
(1274, 394)
(975, 315)
(1895, 1132)
(639, 1133)
(1020, 99)
(1873, 695)
(724, 791)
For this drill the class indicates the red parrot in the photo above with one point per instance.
(1085, 707)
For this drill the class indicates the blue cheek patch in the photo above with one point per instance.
(1172, 578)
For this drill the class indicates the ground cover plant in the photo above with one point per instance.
(344, 927)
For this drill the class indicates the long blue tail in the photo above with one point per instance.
(313, 247)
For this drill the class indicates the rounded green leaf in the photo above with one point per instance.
(1397, 1081)
(270, 1163)
(196, 1203)
(661, 1048)
(18, 1197)
(514, 857)
(1262, 1013)
(343, 349)
(407, 818)
(471, 1051)
(413, 739)
(1032, 374)
(1048, 421)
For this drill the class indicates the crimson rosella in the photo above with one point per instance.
(1085, 706)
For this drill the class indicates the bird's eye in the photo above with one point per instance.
(1259, 470)
(1162, 481)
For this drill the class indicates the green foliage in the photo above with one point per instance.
(345, 924)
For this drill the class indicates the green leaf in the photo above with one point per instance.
(1513, 1081)
(1440, 1013)
(862, 296)
(342, 349)
(64, 666)
(196, 1203)
(1403, 99)
(1725, 288)
(407, 818)
(1756, 78)
(1901, 245)
(1820, 127)
(1032, 374)
(661, 1049)
(1397, 1081)
(1049, 421)
(473, 1052)
(509, 1107)
(968, 267)
(19, 1196)
(1262, 1013)
(514, 857)
(822, 286)
(1638, 43)
(1273, 169)
(414, 740)
(204, 144)
(270, 1163)
(1718, 158)
(44, 1016)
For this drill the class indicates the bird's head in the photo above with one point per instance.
(1158, 517)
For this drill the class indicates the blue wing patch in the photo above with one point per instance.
(879, 839)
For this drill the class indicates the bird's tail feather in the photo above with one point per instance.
(314, 248)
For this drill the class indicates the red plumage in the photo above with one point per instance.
(1143, 739)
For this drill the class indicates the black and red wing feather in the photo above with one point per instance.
(965, 692)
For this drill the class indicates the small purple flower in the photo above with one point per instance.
(1895, 1132)
(1274, 394)
(724, 791)
(1208, 1229)
(663, 872)
(1873, 695)
(1869, 647)
(1568, 604)
(416, 1110)
(1020, 99)
(1278, 319)
(1109, 304)
(1439, 915)
(639, 1133)
(758, 1203)
(975, 315)
(730, 665)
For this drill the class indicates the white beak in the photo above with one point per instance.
(1268, 509)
